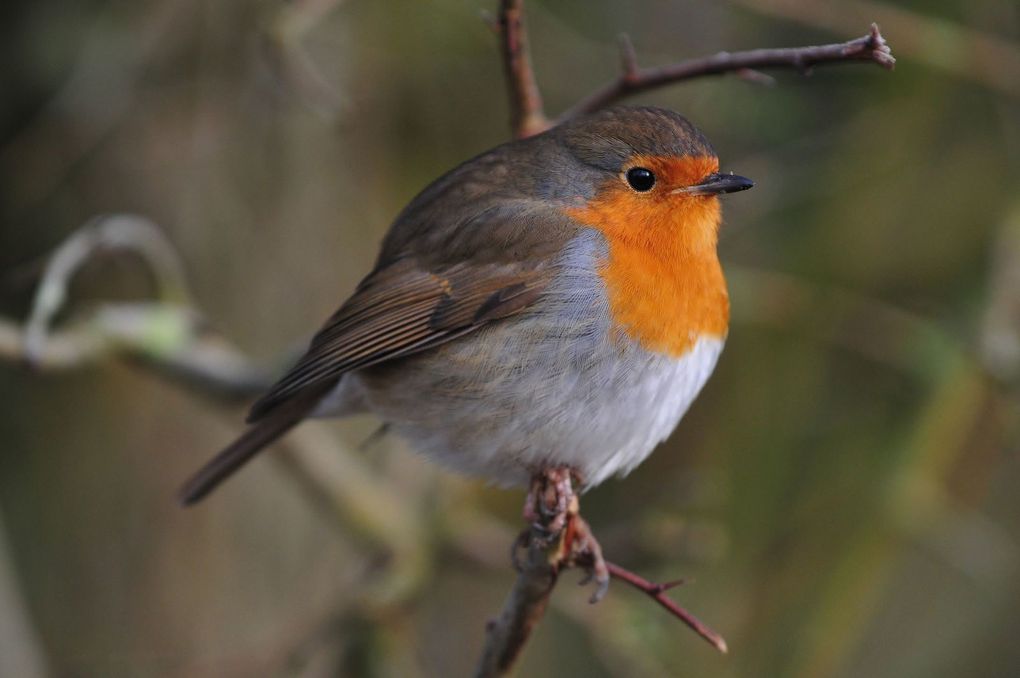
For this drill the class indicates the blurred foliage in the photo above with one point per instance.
(843, 492)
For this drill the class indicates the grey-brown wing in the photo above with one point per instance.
(402, 308)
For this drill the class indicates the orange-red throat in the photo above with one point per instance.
(666, 287)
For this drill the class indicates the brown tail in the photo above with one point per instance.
(259, 435)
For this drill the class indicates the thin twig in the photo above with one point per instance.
(523, 609)
(550, 551)
(526, 114)
(527, 601)
(942, 44)
(870, 48)
(167, 334)
(657, 592)
(119, 231)
(628, 58)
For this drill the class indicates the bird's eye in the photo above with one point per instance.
(640, 179)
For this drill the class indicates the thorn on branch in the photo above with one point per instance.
(756, 77)
(665, 586)
(628, 58)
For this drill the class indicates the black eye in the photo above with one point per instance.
(640, 179)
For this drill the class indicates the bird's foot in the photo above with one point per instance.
(550, 501)
(553, 512)
(586, 552)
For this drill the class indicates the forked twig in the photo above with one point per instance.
(633, 80)
(527, 117)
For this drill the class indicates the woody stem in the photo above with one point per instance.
(657, 592)
(526, 114)
(558, 538)
(633, 80)
(550, 507)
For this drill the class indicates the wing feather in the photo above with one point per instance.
(403, 308)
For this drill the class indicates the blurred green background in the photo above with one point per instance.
(843, 494)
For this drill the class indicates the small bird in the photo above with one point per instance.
(556, 302)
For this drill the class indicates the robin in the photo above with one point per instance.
(554, 303)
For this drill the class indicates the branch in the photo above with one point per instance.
(658, 593)
(172, 340)
(119, 231)
(529, 597)
(559, 538)
(967, 53)
(524, 606)
(552, 511)
(633, 80)
(526, 115)
(166, 334)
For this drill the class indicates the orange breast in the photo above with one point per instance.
(666, 287)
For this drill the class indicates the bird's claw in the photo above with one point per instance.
(549, 502)
(552, 509)
(586, 551)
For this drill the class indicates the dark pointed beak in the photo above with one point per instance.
(716, 184)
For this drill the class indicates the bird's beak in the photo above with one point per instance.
(716, 184)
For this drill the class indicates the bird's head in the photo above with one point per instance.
(654, 175)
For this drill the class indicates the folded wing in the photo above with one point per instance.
(401, 309)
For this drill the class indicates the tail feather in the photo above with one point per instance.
(260, 434)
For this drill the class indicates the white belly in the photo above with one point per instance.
(505, 426)
(618, 429)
